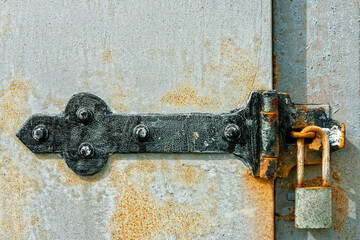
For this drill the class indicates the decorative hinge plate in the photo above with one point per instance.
(87, 131)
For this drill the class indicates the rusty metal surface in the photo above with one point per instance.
(313, 207)
(162, 56)
(316, 53)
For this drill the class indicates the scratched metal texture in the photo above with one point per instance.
(316, 60)
(149, 56)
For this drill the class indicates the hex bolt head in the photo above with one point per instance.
(40, 133)
(141, 132)
(232, 132)
(84, 114)
(86, 150)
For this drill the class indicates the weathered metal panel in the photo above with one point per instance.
(148, 56)
(316, 47)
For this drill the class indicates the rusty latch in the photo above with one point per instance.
(259, 134)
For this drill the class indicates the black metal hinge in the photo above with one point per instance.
(87, 131)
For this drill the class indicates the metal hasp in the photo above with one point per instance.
(87, 131)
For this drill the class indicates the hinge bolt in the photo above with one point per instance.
(232, 132)
(86, 150)
(40, 133)
(141, 132)
(84, 114)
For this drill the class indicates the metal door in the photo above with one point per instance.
(148, 56)
(316, 50)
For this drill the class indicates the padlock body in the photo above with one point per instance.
(313, 208)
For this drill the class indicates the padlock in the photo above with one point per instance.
(313, 207)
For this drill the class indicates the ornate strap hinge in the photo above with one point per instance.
(87, 131)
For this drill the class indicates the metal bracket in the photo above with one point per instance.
(87, 131)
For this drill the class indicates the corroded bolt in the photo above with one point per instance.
(232, 132)
(40, 133)
(84, 114)
(141, 132)
(86, 150)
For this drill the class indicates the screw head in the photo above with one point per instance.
(232, 132)
(40, 133)
(84, 114)
(86, 150)
(141, 132)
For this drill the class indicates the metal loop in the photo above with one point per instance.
(325, 155)
(294, 134)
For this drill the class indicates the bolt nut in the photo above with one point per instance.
(141, 132)
(40, 133)
(84, 114)
(86, 150)
(232, 132)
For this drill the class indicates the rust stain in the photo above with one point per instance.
(225, 82)
(267, 166)
(139, 214)
(260, 190)
(272, 116)
(189, 175)
(118, 97)
(339, 197)
(187, 95)
(5, 22)
(275, 70)
(342, 139)
(17, 185)
(107, 56)
(315, 144)
(242, 70)
(289, 217)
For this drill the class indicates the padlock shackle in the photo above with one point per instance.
(325, 155)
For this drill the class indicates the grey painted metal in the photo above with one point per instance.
(317, 61)
(140, 57)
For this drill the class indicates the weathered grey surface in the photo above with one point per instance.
(317, 49)
(313, 208)
(148, 56)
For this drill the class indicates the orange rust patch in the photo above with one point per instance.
(261, 189)
(315, 144)
(107, 56)
(12, 105)
(17, 185)
(186, 95)
(138, 214)
(272, 116)
(275, 70)
(341, 208)
(342, 139)
(189, 175)
(289, 218)
(339, 198)
(225, 82)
